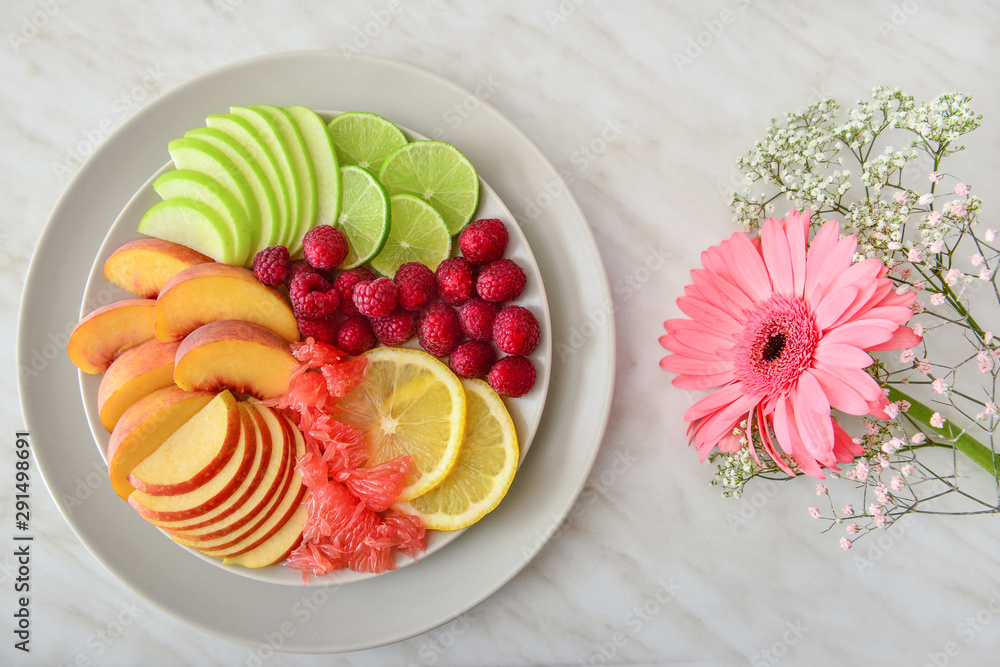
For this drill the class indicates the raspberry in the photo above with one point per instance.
(271, 265)
(456, 280)
(322, 330)
(512, 376)
(312, 296)
(355, 336)
(302, 266)
(417, 285)
(501, 280)
(438, 329)
(375, 298)
(483, 241)
(476, 317)
(395, 328)
(472, 359)
(324, 247)
(345, 283)
(516, 330)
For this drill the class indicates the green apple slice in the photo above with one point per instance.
(319, 145)
(275, 143)
(186, 184)
(302, 169)
(193, 224)
(196, 155)
(267, 203)
(246, 136)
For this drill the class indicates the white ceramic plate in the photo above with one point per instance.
(526, 412)
(398, 604)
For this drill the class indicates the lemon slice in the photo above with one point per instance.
(409, 404)
(486, 465)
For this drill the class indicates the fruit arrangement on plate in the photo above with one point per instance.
(309, 372)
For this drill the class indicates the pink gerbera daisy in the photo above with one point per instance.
(783, 329)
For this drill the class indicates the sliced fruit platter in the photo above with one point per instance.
(314, 346)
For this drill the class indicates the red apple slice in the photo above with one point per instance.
(137, 372)
(284, 505)
(277, 547)
(104, 334)
(211, 292)
(217, 491)
(262, 480)
(242, 356)
(145, 426)
(194, 453)
(143, 266)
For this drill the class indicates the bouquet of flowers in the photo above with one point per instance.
(850, 340)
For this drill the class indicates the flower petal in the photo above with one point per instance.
(841, 354)
(841, 394)
(902, 338)
(832, 265)
(708, 314)
(777, 257)
(676, 363)
(797, 233)
(748, 267)
(699, 382)
(861, 333)
(832, 306)
(822, 245)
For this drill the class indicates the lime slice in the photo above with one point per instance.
(417, 233)
(439, 174)
(364, 139)
(364, 215)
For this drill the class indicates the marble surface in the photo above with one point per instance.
(645, 111)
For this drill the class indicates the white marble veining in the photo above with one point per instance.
(645, 111)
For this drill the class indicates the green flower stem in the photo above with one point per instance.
(980, 454)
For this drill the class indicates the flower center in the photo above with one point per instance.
(772, 350)
(775, 346)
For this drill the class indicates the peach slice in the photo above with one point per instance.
(100, 337)
(137, 372)
(280, 509)
(194, 453)
(276, 548)
(226, 520)
(231, 354)
(143, 428)
(143, 266)
(212, 292)
(215, 492)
